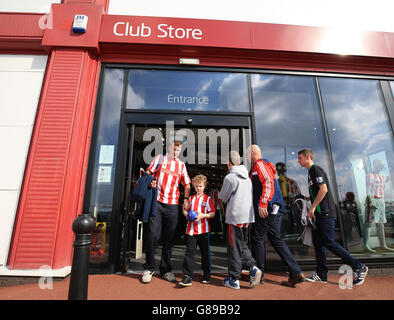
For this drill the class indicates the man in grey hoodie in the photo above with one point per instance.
(237, 193)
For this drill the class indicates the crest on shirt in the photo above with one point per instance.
(319, 179)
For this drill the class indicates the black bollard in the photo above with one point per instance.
(83, 227)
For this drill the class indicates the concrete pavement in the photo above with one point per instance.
(378, 286)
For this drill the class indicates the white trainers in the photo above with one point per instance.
(255, 277)
(169, 276)
(233, 284)
(147, 276)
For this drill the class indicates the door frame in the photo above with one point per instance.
(155, 118)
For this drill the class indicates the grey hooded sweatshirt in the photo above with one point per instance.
(237, 192)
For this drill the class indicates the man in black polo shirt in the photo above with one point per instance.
(324, 211)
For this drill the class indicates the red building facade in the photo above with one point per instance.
(53, 188)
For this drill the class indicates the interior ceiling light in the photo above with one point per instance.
(189, 61)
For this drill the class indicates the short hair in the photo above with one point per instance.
(176, 143)
(234, 158)
(200, 178)
(306, 152)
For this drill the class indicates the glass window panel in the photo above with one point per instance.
(102, 185)
(288, 119)
(188, 91)
(392, 87)
(362, 145)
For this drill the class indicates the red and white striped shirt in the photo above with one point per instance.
(168, 175)
(376, 184)
(202, 204)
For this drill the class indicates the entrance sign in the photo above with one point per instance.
(185, 90)
(172, 99)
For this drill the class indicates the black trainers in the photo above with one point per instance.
(186, 281)
(359, 275)
(206, 278)
(315, 278)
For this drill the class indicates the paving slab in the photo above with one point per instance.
(128, 286)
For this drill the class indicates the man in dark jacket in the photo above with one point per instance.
(269, 208)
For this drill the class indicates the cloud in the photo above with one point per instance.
(233, 92)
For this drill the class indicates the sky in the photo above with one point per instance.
(354, 14)
(369, 15)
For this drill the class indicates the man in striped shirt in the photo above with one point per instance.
(169, 171)
(197, 232)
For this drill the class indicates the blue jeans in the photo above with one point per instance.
(324, 238)
(271, 226)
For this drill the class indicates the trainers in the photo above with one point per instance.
(206, 278)
(186, 281)
(255, 277)
(169, 276)
(233, 284)
(292, 281)
(147, 276)
(315, 278)
(359, 275)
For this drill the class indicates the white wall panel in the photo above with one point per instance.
(21, 79)
(7, 206)
(13, 111)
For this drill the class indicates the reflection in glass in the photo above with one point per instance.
(288, 119)
(362, 146)
(102, 184)
(188, 91)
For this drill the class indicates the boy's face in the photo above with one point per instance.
(302, 160)
(199, 187)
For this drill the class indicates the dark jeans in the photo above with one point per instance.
(324, 238)
(238, 252)
(271, 226)
(202, 240)
(163, 223)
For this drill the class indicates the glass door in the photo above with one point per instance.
(207, 142)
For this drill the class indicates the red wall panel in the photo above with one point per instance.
(21, 31)
(53, 176)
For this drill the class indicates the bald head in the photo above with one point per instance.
(253, 153)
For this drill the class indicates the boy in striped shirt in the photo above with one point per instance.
(197, 231)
